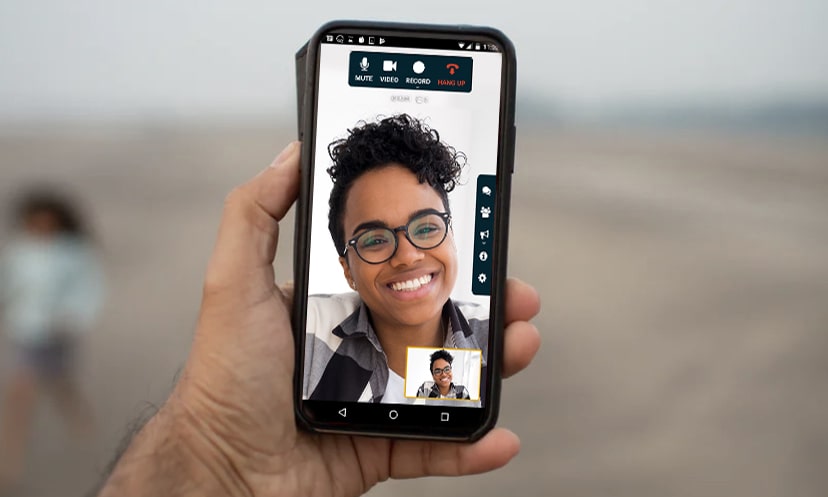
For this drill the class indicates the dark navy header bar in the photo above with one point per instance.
(410, 71)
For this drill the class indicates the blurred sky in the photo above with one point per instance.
(186, 58)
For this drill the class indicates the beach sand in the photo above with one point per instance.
(683, 274)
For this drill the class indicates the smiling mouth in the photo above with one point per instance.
(410, 285)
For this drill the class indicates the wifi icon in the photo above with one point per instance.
(461, 44)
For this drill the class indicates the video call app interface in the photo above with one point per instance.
(453, 86)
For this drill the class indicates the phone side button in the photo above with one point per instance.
(512, 145)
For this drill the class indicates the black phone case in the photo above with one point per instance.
(306, 74)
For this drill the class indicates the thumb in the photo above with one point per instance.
(249, 229)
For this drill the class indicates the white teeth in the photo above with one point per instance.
(411, 285)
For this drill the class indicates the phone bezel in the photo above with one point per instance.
(474, 422)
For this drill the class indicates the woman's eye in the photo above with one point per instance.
(373, 241)
(426, 229)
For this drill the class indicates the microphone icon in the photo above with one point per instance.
(364, 64)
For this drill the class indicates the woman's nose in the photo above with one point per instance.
(407, 253)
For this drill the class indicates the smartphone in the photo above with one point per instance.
(402, 228)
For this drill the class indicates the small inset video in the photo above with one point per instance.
(443, 373)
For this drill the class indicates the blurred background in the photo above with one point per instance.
(670, 204)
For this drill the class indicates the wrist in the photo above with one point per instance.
(170, 456)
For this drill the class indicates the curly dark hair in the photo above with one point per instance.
(441, 354)
(399, 139)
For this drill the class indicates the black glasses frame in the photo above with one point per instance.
(404, 228)
(437, 371)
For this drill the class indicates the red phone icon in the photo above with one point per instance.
(452, 68)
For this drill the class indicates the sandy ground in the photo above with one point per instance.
(684, 278)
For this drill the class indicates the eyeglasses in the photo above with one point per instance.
(438, 371)
(377, 245)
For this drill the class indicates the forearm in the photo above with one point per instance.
(169, 457)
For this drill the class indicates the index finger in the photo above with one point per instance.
(522, 301)
(521, 339)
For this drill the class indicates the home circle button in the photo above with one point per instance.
(393, 414)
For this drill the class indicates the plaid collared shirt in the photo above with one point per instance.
(344, 360)
(431, 390)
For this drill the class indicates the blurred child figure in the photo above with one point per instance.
(50, 291)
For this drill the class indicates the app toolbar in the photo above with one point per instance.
(410, 71)
(483, 242)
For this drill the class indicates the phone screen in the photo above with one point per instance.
(407, 139)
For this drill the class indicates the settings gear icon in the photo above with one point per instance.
(481, 278)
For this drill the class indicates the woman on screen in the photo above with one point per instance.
(390, 221)
(442, 387)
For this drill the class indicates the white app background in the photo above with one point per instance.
(466, 121)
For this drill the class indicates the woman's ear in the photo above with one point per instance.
(346, 270)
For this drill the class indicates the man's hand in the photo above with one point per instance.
(229, 427)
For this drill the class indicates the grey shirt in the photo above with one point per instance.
(344, 360)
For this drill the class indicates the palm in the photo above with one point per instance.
(262, 359)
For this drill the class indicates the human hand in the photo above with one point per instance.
(229, 426)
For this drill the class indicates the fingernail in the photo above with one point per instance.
(284, 154)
